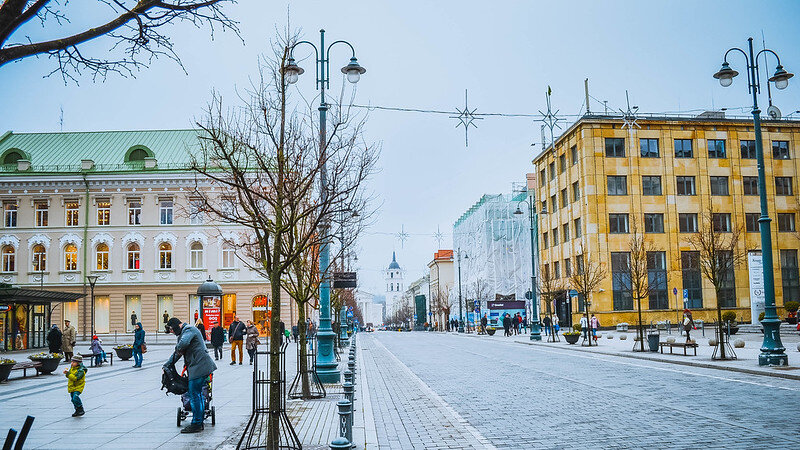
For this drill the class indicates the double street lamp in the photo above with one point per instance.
(536, 330)
(460, 301)
(772, 350)
(327, 368)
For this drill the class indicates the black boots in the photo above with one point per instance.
(78, 412)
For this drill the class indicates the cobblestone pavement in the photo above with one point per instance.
(520, 396)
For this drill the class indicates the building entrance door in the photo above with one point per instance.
(564, 309)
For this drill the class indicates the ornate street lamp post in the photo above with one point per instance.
(772, 350)
(460, 302)
(327, 368)
(92, 279)
(536, 330)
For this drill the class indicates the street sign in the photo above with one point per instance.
(573, 293)
(4, 308)
(415, 317)
(674, 291)
(477, 303)
(349, 314)
(344, 280)
(685, 293)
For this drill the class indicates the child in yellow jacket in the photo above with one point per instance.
(76, 380)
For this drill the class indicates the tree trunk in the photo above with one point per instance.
(719, 327)
(273, 425)
(301, 329)
(641, 331)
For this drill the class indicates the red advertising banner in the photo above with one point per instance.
(212, 313)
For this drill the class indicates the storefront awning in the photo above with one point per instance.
(36, 296)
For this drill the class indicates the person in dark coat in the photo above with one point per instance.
(138, 341)
(484, 322)
(217, 340)
(201, 326)
(236, 338)
(547, 322)
(506, 325)
(54, 339)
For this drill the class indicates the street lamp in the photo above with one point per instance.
(460, 302)
(92, 279)
(772, 350)
(327, 368)
(536, 330)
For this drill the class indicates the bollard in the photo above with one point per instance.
(349, 391)
(345, 420)
(339, 443)
(348, 376)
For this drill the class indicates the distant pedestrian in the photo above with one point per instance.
(507, 325)
(556, 323)
(217, 340)
(282, 329)
(295, 332)
(484, 322)
(547, 324)
(76, 381)
(525, 324)
(595, 324)
(688, 323)
(54, 339)
(252, 340)
(517, 320)
(68, 340)
(236, 338)
(585, 327)
(98, 353)
(139, 345)
(165, 318)
(202, 327)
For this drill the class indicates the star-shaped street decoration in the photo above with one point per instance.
(466, 117)
(402, 236)
(550, 118)
(439, 236)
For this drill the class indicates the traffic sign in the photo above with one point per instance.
(573, 293)
(674, 291)
(685, 293)
(349, 314)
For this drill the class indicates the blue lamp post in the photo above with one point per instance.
(327, 368)
(772, 350)
(536, 329)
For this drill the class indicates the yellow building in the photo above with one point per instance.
(602, 178)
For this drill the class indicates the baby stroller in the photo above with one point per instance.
(186, 408)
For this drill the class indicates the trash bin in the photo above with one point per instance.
(652, 341)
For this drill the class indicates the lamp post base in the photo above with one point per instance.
(773, 359)
(327, 367)
(536, 332)
(773, 353)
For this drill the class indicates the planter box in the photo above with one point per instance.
(124, 353)
(49, 365)
(5, 370)
(490, 331)
(572, 338)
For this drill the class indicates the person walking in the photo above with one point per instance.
(585, 327)
(547, 323)
(595, 324)
(54, 339)
(295, 333)
(98, 353)
(138, 345)
(192, 347)
(517, 323)
(133, 320)
(484, 322)
(202, 327)
(236, 337)
(282, 329)
(688, 323)
(556, 323)
(252, 340)
(506, 325)
(217, 340)
(68, 340)
(525, 324)
(76, 381)
(165, 318)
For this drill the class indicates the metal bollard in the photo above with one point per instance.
(348, 376)
(339, 443)
(345, 419)
(349, 391)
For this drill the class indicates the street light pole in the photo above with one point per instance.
(460, 302)
(772, 350)
(92, 279)
(536, 329)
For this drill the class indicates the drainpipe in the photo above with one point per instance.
(85, 244)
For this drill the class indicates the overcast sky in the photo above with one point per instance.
(422, 54)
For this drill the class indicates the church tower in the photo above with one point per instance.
(393, 277)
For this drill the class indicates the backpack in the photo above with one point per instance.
(174, 383)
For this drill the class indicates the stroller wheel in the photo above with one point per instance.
(179, 416)
(213, 416)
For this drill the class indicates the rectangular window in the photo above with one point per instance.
(692, 280)
(683, 148)
(554, 235)
(621, 281)
(562, 163)
(134, 213)
(166, 212)
(565, 232)
(545, 242)
(617, 185)
(748, 149)
(654, 223)
(617, 223)
(567, 267)
(716, 148)
(10, 214)
(685, 186)
(786, 222)
(41, 214)
(556, 270)
(553, 203)
(687, 222)
(564, 197)
(196, 212)
(546, 271)
(542, 178)
(651, 185)
(579, 264)
(228, 256)
(721, 222)
(544, 207)
(71, 214)
(649, 148)
(727, 290)
(577, 225)
(790, 277)
(574, 153)
(657, 280)
(750, 185)
(615, 147)
(751, 222)
(552, 168)
(576, 191)
(719, 186)
(103, 212)
(783, 186)
(780, 149)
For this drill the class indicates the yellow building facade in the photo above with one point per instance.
(602, 179)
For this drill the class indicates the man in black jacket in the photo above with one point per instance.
(236, 338)
(217, 340)
(506, 325)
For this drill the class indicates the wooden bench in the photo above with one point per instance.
(91, 356)
(684, 345)
(24, 366)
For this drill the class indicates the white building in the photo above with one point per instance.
(371, 311)
(393, 277)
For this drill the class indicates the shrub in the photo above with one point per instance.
(729, 316)
(577, 327)
(572, 333)
(761, 316)
(791, 306)
(7, 361)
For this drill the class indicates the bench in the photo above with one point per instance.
(684, 345)
(91, 356)
(24, 366)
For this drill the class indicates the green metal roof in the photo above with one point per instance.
(63, 152)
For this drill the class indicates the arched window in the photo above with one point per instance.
(39, 258)
(133, 256)
(228, 256)
(165, 255)
(196, 256)
(12, 158)
(9, 254)
(70, 257)
(137, 155)
(102, 256)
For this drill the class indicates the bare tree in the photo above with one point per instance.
(134, 34)
(586, 277)
(481, 292)
(719, 247)
(639, 287)
(548, 288)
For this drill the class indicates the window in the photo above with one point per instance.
(138, 154)
(621, 281)
(685, 186)
(565, 232)
(545, 242)
(716, 148)
(554, 235)
(70, 257)
(562, 163)
(553, 203)
(783, 185)
(721, 222)
(39, 258)
(786, 222)
(577, 225)
(542, 178)
(10, 214)
(727, 290)
(574, 152)
(748, 149)
(101, 254)
(544, 207)
(617, 223)
(750, 185)
(719, 186)
(615, 147)
(9, 256)
(104, 212)
(617, 185)
(40, 214)
(229, 257)
(567, 267)
(649, 148)
(166, 212)
(683, 148)
(552, 168)
(546, 271)
(751, 222)
(576, 191)
(133, 256)
(165, 255)
(196, 256)
(651, 185)
(653, 223)
(196, 212)
(790, 277)
(657, 280)
(692, 280)
(780, 149)
(12, 158)
(556, 270)
(134, 213)
(71, 214)
(564, 197)
(579, 264)
(687, 222)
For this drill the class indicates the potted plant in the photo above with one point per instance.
(5, 368)
(124, 352)
(729, 322)
(791, 311)
(49, 361)
(573, 336)
(490, 330)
